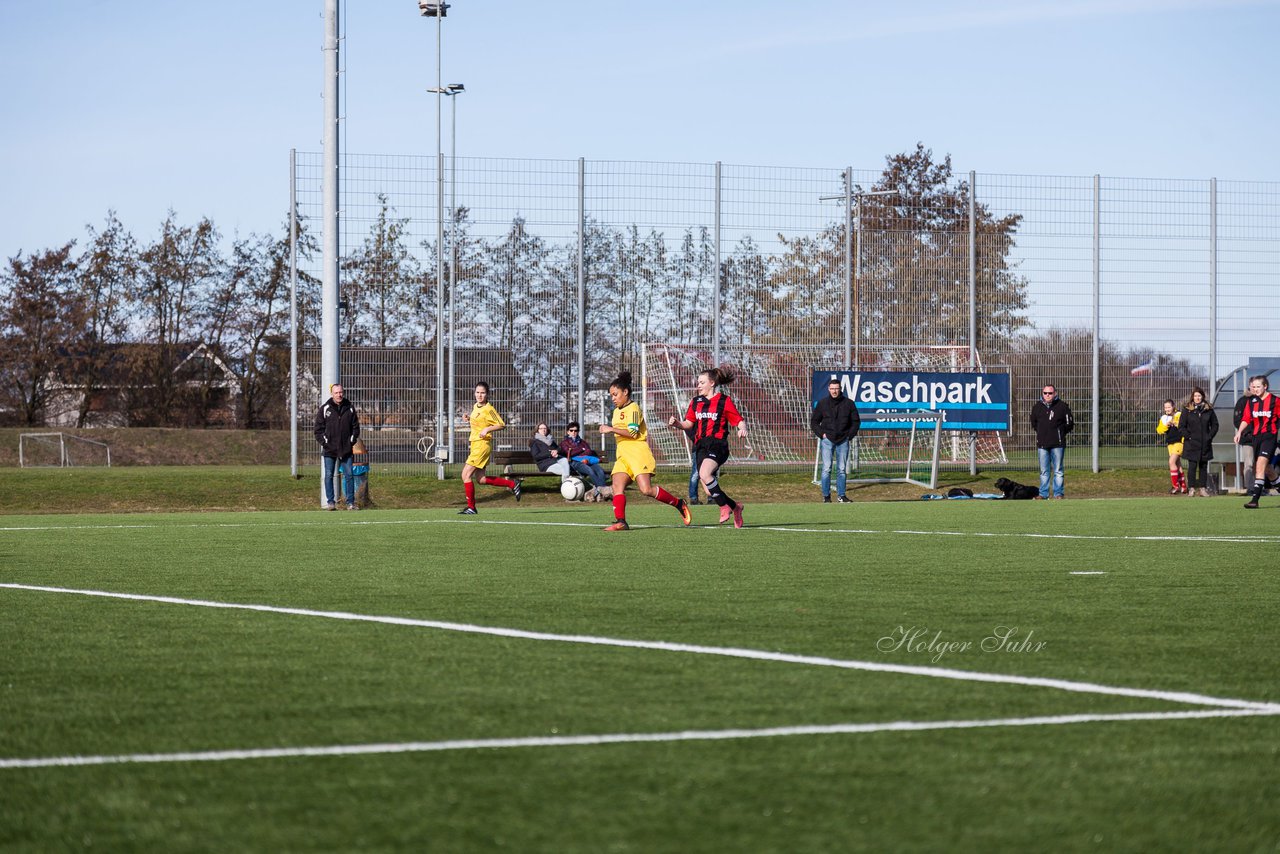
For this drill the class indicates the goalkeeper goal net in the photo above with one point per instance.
(773, 392)
(61, 449)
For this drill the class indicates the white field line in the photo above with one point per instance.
(665, 646)
(1245, 539)
(616, 738)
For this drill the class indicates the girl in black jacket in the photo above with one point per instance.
(1199, 425)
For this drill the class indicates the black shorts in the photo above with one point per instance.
(711, 449)
(1264, 445)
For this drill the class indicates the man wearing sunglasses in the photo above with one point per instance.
(1052, 421)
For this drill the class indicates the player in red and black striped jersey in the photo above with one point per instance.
(708, 419)
(1262, 418)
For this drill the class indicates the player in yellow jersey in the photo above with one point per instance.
(635, 461)
(484, 421)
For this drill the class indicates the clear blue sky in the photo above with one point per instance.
(142, 106)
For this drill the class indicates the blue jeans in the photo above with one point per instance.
(348, 482)
(694, 478)
(840, 455)
(1051, 467)
(589, 470)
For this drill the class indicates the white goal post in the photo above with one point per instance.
(906, 457)
(37, 450)
(773, 391)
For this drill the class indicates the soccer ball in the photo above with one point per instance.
(573, 489)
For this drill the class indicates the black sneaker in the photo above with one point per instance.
(826, 499)
(515, 490)
(694, 501)
(1252, 505)
(842, 500)
(468, 511)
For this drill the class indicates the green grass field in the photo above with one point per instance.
(531, 683)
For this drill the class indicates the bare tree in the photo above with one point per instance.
(38, 318)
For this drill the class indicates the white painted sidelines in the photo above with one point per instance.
(1242, 539)
(1222, 707)
(695, 649)
(614, 738)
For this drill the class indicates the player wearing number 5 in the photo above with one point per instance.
(635, 460)
(708, 419)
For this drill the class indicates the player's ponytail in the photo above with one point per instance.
(719, 376)
(622, 382)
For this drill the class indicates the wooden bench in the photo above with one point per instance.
(510, 459)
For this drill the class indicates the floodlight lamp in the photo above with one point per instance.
(433, 10)
(455, 88)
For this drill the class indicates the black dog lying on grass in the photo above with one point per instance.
(1016, 491)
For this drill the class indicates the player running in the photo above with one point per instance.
(708, 418)
(1262, 417)
(635, 460)
(484, 421)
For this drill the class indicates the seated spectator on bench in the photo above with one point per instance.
(582, 459)
(546, 454)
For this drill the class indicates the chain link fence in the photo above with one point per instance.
(555, 264)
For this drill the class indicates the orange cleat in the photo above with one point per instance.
(620, 525)
(684, 512)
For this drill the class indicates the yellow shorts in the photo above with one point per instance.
(1175, 448)
(480, 453)
(634, 461)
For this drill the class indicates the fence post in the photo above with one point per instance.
(715, 325)
(973, 303)
(582, 291)
(1097, 299)
(330, 367)
(848, 267)
(1213, 284)
(293, 312)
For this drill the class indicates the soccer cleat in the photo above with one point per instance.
(724, 514)
(842, 500)
(620, 525)
(684, 512)
(515, 490)
(826, 499)
(1252, 505)
(737, 515)
(468, 511)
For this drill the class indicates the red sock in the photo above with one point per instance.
(666, 497)
(1182, 480)
(498, 481)
(470, 489)
(1173, 479)
(619, 506)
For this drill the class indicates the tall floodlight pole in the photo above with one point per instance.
(329, 370)
(852, 298)
(452, 90)
(439, 11)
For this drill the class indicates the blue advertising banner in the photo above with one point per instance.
(971, 401)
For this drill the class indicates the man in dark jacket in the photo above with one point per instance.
(834, 421)
(337, 429)
(1051, 419)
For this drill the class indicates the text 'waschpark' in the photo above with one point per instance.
(916, 391)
